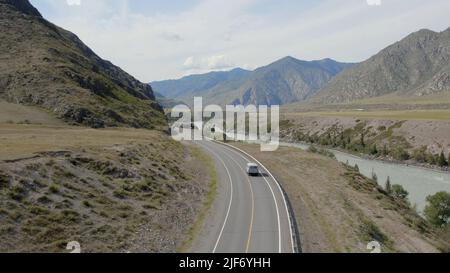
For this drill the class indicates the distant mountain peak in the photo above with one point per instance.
(418, 65)
(23, 6)
(289, 58)
(284, 81)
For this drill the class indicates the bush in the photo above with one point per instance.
(388, 186)
(420, 155)
(321, 151)
(17, 193)
(437, 211)
(400, 154)
(400, 192)
(374, 150)
(54, 189)
(374, 177)
(430, 159)
(312, 149)
(4, 180)
(385, 150)
(442, 161)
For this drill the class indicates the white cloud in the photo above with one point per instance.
(374, 2)
(74, 2)
(190, 63)
(217, 34)
(215, 62)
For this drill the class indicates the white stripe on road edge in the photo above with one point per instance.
(275, 201)
(231, 197)
(278, 184)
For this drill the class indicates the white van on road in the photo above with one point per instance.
(252, 169)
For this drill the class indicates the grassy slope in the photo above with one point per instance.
(339, 211)
(15, 113)
(113, 190)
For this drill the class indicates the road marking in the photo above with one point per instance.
(231, 197)
(279, 188)
(275, 201)
(250, 233)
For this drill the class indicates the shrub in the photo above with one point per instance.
(388, 186)
(400, 154)
(87, 204)
(374, 177)
(374, 150)
(420, 155)
(17, 193)
(385, 150)
(4, 180)
(430, 159)
(372, 232)
(437, 211)
(442, 161)
(400, 192)
(54, 189)
(312, 149)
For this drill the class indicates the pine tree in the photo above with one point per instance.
(363, 143)
(442, 161)
(389, 186)
(374, 177)
(385, 150)
(374, 150)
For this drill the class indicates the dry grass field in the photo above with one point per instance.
(112, 190)
(391, 115)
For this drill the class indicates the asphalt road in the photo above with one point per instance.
(250, 214)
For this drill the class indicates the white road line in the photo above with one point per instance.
(275, 201)
(279, 188)
(231, 197)
(253, 203)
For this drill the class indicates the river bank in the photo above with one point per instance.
(418, 181)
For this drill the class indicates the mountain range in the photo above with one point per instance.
(44, 65)
(416, 67)
(285, 81)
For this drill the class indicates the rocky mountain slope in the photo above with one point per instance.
(285, 81)
(44, 65)
(417, 66)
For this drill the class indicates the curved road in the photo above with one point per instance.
(250, 214)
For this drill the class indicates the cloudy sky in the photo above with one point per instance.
(162, 39)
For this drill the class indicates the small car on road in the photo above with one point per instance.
(252, 169)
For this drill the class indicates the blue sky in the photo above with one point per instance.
(156, 39)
